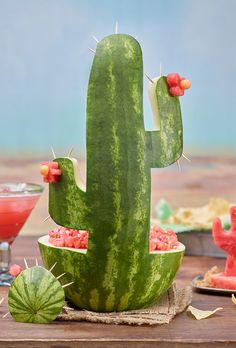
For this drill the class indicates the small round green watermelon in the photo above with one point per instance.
(35, 296)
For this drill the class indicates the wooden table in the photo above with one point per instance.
(184, 331)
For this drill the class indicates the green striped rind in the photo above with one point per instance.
(117, 273)
(165, 146)
(70, 197)
(136, 288)
(35, 296)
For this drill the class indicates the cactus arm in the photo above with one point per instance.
(165, 145)
(66, 196)
(227, 242)
(218, 232)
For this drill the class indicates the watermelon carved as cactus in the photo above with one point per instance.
(118, 272)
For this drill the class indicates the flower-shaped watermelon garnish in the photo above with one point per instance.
(177, 84)
(50, 172)
(15, 270)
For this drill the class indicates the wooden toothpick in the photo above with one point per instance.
(179, 165)
(46, 218)
(161, 69)
(61, 275)
(5, 315)
(184, 156)
(26, 264)
(90, 49)
(94, 37)
(68, 284)
(72, 309)
(149, 78)
(52, 267)
(70, 152)
(53, 152)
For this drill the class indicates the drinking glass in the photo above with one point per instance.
(16, 203)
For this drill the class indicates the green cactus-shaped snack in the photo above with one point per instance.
(118, 272)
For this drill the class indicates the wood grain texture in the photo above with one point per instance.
(183, 331)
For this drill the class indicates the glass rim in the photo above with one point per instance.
(19, 189)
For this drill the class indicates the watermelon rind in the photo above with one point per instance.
(130, 288)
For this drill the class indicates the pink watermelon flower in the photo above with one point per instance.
(50, 172)
(15, 270)
(177, 84)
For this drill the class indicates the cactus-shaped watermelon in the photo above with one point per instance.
(118, 272)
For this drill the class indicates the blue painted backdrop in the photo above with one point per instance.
(45, 62)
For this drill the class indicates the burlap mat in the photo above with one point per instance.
(173, 302)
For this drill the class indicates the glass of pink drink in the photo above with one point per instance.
(16, 203)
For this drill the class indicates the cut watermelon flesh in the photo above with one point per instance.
(65, 237)
(160, 239)
(221, 281)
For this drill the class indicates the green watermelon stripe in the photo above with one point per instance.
(52, 306)
(51, 294)
(49, 285)
(46, 317)
(50, 291)
(26, 294)
(18, 300)
(15, 295)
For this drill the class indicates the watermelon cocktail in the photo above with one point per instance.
(16, 203)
